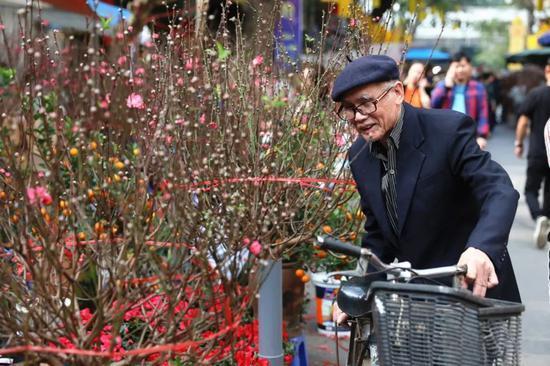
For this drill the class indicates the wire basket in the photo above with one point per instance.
(419, 325)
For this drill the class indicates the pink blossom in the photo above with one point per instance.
(121, 61)
(255, 248)
(85, 315)
(135, 101)
(138, 81)
(39, 195)
(257, 61)
(352, 22)
(119, 35)
(45, 22)
(340, 141)
(2, 27)
(189, 64)
(213, 125)
(202, 118)
(140, 71)
(179, 121)
(155, 36)
(105, 102)
(246, 241)
(179, 81)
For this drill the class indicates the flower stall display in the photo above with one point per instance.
(142, 185)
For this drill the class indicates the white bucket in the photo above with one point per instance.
(326, 289)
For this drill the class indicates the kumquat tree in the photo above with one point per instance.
(142, 184)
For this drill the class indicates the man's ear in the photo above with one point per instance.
(400, 91)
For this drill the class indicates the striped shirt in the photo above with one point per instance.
(388, 156)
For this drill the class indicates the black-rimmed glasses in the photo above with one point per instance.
(348, 113)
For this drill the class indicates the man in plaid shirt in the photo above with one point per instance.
(460, 93)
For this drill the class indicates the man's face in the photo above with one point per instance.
(377, 125)
(463, 71)
(415, 73)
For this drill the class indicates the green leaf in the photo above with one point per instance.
(222, 52)
(105, 23)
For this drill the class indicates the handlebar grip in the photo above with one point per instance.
(335, 245)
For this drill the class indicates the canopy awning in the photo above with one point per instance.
(89, 8)
(537, 56)
(427, 54)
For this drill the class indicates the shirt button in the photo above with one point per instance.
(392, 172)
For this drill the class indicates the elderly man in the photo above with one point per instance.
(430, 194)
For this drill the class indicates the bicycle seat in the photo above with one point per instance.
(353, 295)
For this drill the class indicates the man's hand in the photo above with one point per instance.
(482, 142)
(338, 315)
(481, 271)
(518, 150)
(450, 76)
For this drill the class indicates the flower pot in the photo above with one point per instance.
(326, 289)
(293, 298)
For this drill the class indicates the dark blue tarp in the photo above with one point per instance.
(425, 54)
(538, 56)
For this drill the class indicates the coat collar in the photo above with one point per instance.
(409, 164)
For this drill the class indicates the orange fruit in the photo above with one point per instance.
(300, 273)
(3, 195)
(73, 151)
(305, 278)
(353, 235)
(327, 229)
(81, 236)
(321, 254)
(119, 165)
(93, 145)
(98, 227)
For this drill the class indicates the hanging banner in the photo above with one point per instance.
(289, 30)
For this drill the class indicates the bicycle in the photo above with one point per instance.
(396, 322)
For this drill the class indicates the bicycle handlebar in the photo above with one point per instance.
(335, 245)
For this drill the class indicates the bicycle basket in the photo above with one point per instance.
(433, 325)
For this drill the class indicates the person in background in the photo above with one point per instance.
(415, 87)
(461, 93)
(534, 113)
(491, 83)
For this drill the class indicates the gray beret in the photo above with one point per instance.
(365, 70)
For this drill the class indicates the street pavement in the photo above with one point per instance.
(530, 263)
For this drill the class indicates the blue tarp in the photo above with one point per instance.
(425, 54)
(104, 10)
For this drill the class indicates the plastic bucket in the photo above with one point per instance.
(326, 289)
